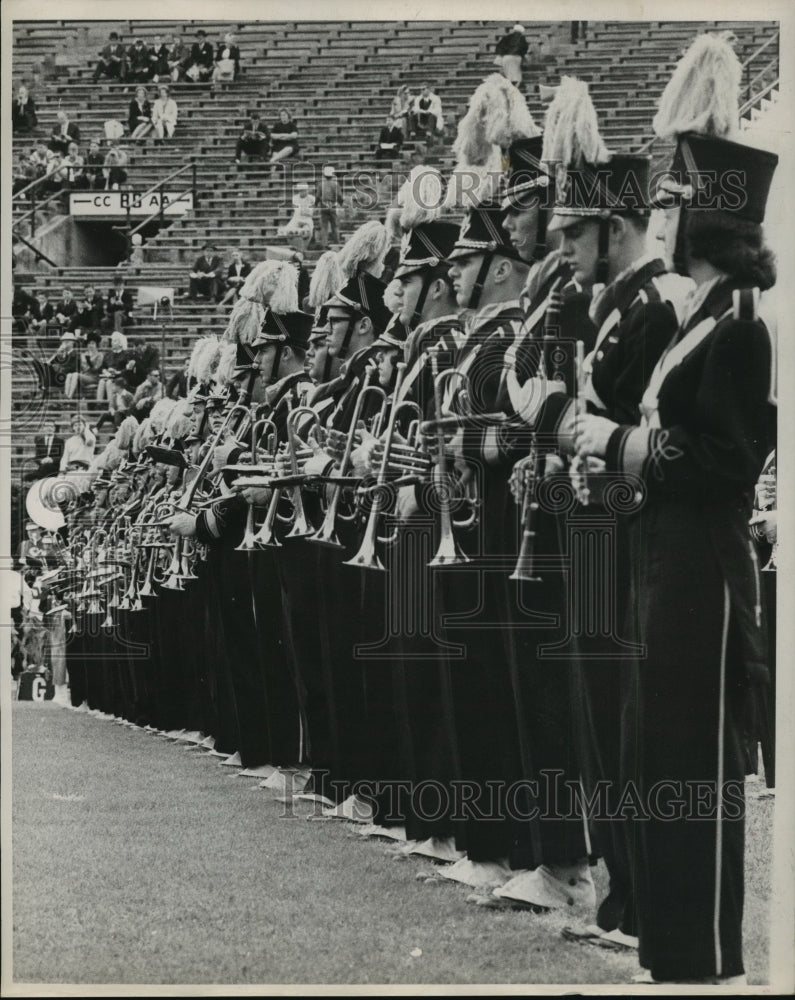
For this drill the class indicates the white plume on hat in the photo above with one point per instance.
(203, 358)
(326, 279)
(143, 435)
(421, 197)
(571, 128)
(497, 115)
(226, 364)
(703, 95)
(160, 412)
(271, 283)
(123, 437)
(365, 250)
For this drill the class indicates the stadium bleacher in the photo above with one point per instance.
(338, 80)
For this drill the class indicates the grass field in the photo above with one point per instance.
(136, 861)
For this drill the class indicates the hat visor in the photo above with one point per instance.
(560, 222)
(405, 270)
(458, 253)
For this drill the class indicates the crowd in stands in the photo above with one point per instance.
(141, 63)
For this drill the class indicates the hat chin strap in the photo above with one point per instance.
(480, 281)
(680, 261)
(540, 250)
(604, 245)
(342, 354)
(427, 279)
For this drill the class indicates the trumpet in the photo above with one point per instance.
(367, 557)
(258, 429)
(327, 532)
(448, 552)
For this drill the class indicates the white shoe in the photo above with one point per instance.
(61, 696)
(388, 832)
(263, 771)
(553, 886)
(478, 874)
(353, 808)
(233, 761)
(208, 743)
(285, 781)
(193, 736)
(439, 849)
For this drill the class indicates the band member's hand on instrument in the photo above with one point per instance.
(362, 460)
(256, 496)
(520, 477)
(593, 433)
(183, 524)
(406, 505)
(766, 492)
(222, 453)
(320, 460)
(335, 443)
(765, 525)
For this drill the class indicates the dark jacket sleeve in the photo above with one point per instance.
(723, 447)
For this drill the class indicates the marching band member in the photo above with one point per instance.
(698, 452)
(602, 214)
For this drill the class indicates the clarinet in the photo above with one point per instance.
(525, 564)
(583, 490)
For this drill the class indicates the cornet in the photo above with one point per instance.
(367, 557)
(327, 532)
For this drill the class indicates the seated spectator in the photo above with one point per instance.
(147, 357)
(70, 172)
(41, 159)
(114, 363)
(23, 114)
(113, 172)
(49, 449)
(112, 60)
(93, 166)
(177, 387)
(158, 60)
(139, 118)
(24, 309)
(79, 448)
(120, 404)
(46, 312)
(201, 61)
(92, 362)
(426, 113)
(284, 137)
(119, 305)
(177, 59)
(205, 278)
(227, 59)
(301, 226)
(235, 276)
(401, 107)
(138, 69)
(22, 174)
(52, 373)
(389, 141)
(164, 114)
(65, 309)
(94, 297)
(147, 394)
(63, 133)
(254, 140)
(83, 318)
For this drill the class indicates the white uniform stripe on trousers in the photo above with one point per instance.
(719, 795)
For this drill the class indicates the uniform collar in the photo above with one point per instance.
(474, 321)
